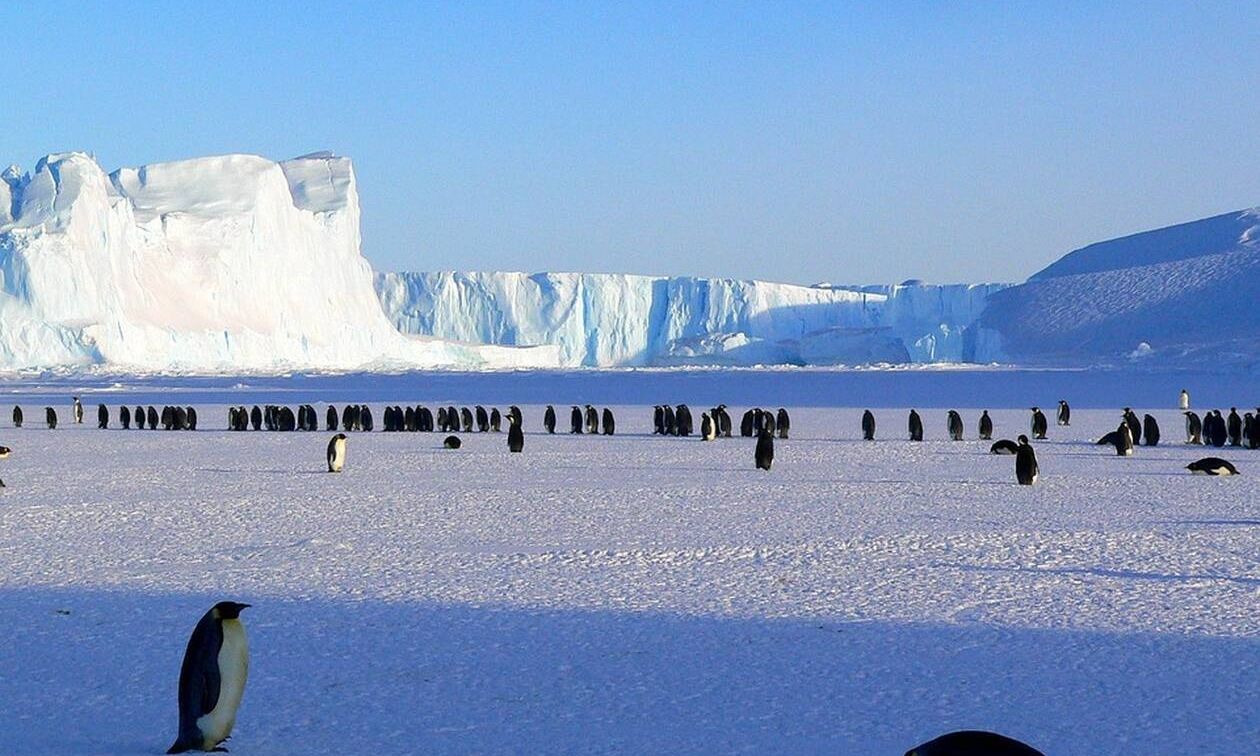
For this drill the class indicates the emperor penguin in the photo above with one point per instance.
(496, 420)
(1234, 427)
(549, 419)
(986, 426)
(153, 418)
(707, 430)
(1026, 470)
(1039, 423)
(1124, 442)
(102, 416)
(515, 412)
(610, 422)
(78, 411)
(124, 417)
(746, 424)
(868, 425)
(1219, 430)
(658, 420)
(955, 425)
(1194, 428)
(192, 419)
(575, 420)
(671, 422)
(466, 419)
(17, 416)
(4, 452)
(1004, 446)
(50, 417)
(682, 418)
(723, 421)
(255, 418)
(765, 450)
(330, 419)
(516, 436)
(1150, 431)
(1184, 403)
(1135, 425)
(915, 425)
(973, 743)
(212, 679)
(365, 418)
(483, 419)
(1065, 413)
(452, 442)
(783, 422)
(592, 419)
(337, 453)
(138, 417)
(1212, 466)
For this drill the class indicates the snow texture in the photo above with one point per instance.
(629, 593)
(620, 320)
(224, 263)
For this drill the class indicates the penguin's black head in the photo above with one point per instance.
(229, 609)
(1023, 439)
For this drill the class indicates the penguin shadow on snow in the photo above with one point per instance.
(1103, 572)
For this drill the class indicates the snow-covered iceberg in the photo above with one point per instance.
(231, 263)
(617, 320)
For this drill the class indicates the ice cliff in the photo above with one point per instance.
(232, 263)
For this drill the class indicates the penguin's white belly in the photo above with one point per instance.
(233, 669)
(338, 456)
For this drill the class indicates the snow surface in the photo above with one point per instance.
(604, 319)
(218, 264)
(628, 593)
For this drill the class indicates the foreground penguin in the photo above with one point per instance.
(973, 743)
(337, 453)
(868, 426)
(1212, 466)
(1026, 470)
(765, 450)
(212, 679)
(955, 426)
(516, 436)
(915, 426)
(1064, 416)
(986, 426)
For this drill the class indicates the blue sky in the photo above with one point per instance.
(799, 142)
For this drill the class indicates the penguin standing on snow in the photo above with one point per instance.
(658, 420)
(496, 420)
(1026, 470)
(1124, 441)
(986, 426)
(212, 679)
(337, 453)
(1194, 428)
(549, 419)
(1219, 432)
(765, 450)
(575, 420)
(330, 418)
(78, 411)
(1065, 413)
(592, 420)
(610, 423)
(1039, 424)
(516, 436)
(1212, 466)
(707, 430)
(868, 426)
(973, 743)
(746, 424)
(915, 426)
(1234, 427)
(124, 417)
(1150, 430)
(102, 416)
(784, 423)
(1135, 425)
(1184, 402)
(17, 416)
(955, 426)
(50, 417)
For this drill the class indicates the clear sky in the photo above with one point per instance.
(797, 142)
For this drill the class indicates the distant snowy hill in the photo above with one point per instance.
(617, 320)
(232, 263)
(1186, 294)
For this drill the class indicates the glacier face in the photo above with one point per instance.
(231, 263)
(629, 320)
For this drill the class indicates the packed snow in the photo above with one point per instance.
(634, 593)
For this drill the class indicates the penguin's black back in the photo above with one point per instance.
(868, 425)
(199, 681)
(765, 450)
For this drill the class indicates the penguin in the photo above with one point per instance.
(783, 422)
(138, 417)
(1064, 416)
(575, 420)
(167, 417)
(17, 416)
(1124, 443)
(868, 426)
(1219, 431)
(124, 417)
(955, 426)
(671, 425)
(181, 418)
(682, 416)
(610, 422)
(50, 417)
(746, 424)
(365, 418)
(1135, 425)
(592, 419)
(390, 423)
(768, 423)
(4, 452)
(78, 411)
(192, 419)
(973, 743)
(549, 419)
(233, 418)
(707, 430)
(1235, 427)
(1109, 439)
(515, 412)
(1039, 424)
(516, 436)
(1184, 403)
(496, 420)
(102, 416)
(347, 418)
(916, 426)
(1212, 466)
(1249, 430)
(337, 453)
(1026, 470)
(287, 420)
(212, 679)
(723, 422)
(452, 442)
(765, 450)
(1194, 428)
(658, 420)
(1004, 446)
(153, 418)
(452, 419)
(1150, 431)
(330, 419)
(256, 418)
(426, 417)
(483, 419)
(986, 426)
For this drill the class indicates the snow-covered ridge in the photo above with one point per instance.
(614, 319)
(228, 263)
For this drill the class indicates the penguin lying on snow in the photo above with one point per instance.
(1004, 446)
(452, 442)
(212, 679)
(973, 743)
(1212, 466)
